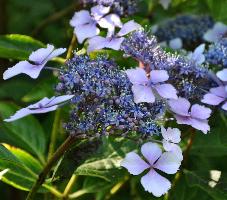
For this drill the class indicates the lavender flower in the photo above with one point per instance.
(197, 117)
(43, 106)
(143, 87)
(38, 60)
(155, 159)
(222, 75)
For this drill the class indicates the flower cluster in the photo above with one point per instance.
(186, 74)
(104, 100)
(188, 28)
(217, 53)
(119, 7)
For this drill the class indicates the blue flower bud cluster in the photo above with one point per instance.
(119, 7)
(217, 53)
(189, 78)
(103, 102)
(189, 28)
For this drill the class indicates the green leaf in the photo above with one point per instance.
(197, 179)
(25, 133)
(18, 47)
(18, 176)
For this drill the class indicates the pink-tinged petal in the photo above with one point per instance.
(59, 99)
(224, 106)
(39, 56)
(168, 163)
(128, 27)
(143, 94)
(180, 106)
(166, 91)
(183, 119)
(201, 125)
(151, 151)
(80, 18)
(157, 76)
(219, 91)
(19, 114)
(23, 67)
(176, 43)
(175, 149)
(171, 134)
(96, 43)
(110, 21)
(99, 11)
(86, 31)
(137, 76)
(213, 35)
(165, 3)
(212, 99)
(155, 183)
(200, 112)
(222, 75)
(134, 164)
(56, 53)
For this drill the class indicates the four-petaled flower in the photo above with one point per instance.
(112, 41)
(155, 159)
(39, 58)
(171, 137)
(43, 106)
(197, 117)
(143, 87)
(85, 24)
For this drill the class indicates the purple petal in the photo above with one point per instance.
(80, 18)
(183, 119)
(155, 183)
(19, 114)
(59, 99)
(128, 27)
(200, 112)
(157, 76)
(222, 75)
(86, 31)
(56, 53)
(99, 11)
(168, 163)
(44, 110)
(213, 35)
(166, 91)
(23, 67)
(197, 56)
(219, 91)
(134, 164)
(180, 106)
(176, 43)
(96, 43)
(173, 148)
(171, 134)
(151, 151)
(40, 55)
(212, 99)
(201, 125)
(137, 76)
(224, 106)
(110, 22)
(143, 94)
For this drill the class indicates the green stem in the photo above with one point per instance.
(69, 186)
(71, 47)
(54, 133)
(56, 156)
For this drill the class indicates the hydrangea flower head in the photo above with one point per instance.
(196, 117)
(38, 60)
(43, 106)
(155, 159)
(143, 87)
